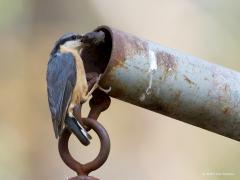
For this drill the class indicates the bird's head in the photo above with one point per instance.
(70, 40)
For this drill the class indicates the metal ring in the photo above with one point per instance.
(85, 169)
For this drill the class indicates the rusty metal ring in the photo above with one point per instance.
(85, 169)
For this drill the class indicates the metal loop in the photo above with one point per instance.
(98, 103)
(85, 169)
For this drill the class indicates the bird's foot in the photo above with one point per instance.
(97, 86)
(100, 88)
(105, 90)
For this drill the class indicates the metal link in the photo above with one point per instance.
(99, 103)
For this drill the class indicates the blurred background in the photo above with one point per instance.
(145, 145)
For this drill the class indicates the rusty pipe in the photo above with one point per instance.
(168, 82)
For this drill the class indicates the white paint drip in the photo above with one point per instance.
(153, 61)
(142, 97)
(151, 70)
(148, 90)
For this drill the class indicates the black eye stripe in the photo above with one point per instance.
(70, 37)
(64, 38)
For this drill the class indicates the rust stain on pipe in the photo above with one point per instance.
(166, 81)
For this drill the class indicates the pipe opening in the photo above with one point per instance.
(96, 57)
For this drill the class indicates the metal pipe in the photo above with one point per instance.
(168, 82)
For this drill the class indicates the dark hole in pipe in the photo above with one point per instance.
(96, 58)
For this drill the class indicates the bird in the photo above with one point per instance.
(67, 85)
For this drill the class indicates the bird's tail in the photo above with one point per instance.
(78, 130)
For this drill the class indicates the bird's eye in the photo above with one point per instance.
(74, 37)
(77, 37)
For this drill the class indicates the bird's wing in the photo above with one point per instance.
(61, 80)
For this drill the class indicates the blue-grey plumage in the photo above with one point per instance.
(61, 80)
(64, 93)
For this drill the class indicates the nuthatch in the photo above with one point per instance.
(67, 85)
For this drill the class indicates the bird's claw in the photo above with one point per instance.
(100, 88)
(105, 90)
